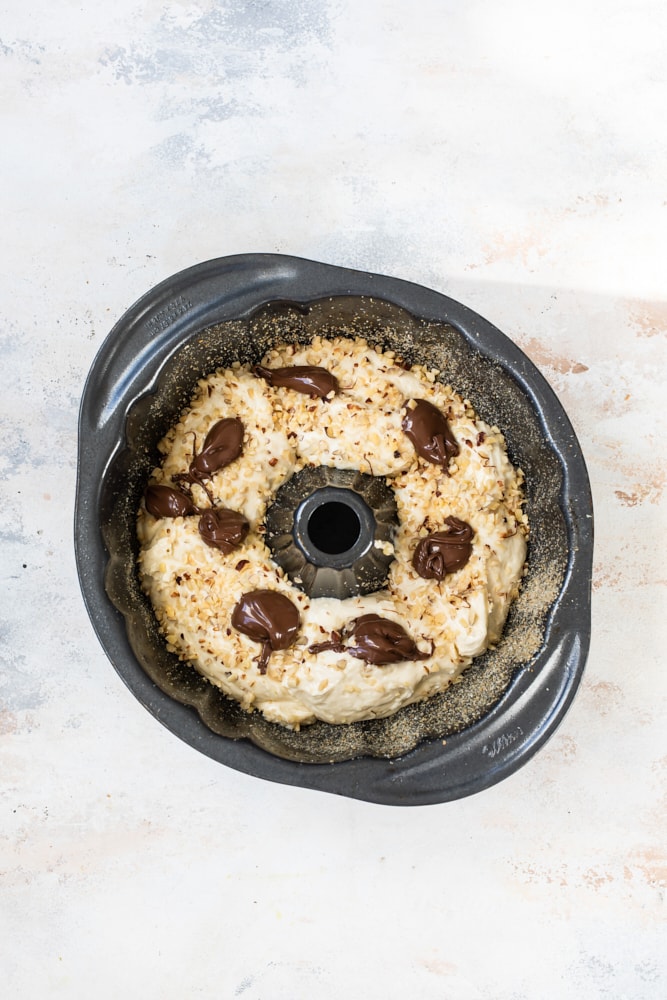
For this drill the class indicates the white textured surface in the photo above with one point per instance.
(512, 155)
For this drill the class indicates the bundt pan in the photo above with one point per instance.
(511, 699)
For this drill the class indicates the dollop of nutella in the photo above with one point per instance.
(376, 640)
(165, 501)
(431, 435)
(268, 617)
(308, 379)
(222, 444)
(444, 551)
(223, 529)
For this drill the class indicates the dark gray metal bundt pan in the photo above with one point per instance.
(511, 700)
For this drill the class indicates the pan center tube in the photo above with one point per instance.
(334, 527)
(331, 531)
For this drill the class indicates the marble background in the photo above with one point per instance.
(512, 155)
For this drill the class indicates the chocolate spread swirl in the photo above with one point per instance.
(444, 551)
(165, 501)
(267, 617)
(223, 529)
(222, 444)
(308, 379)
(430, 433)
(376, 640)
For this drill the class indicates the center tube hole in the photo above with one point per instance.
(334, 527)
